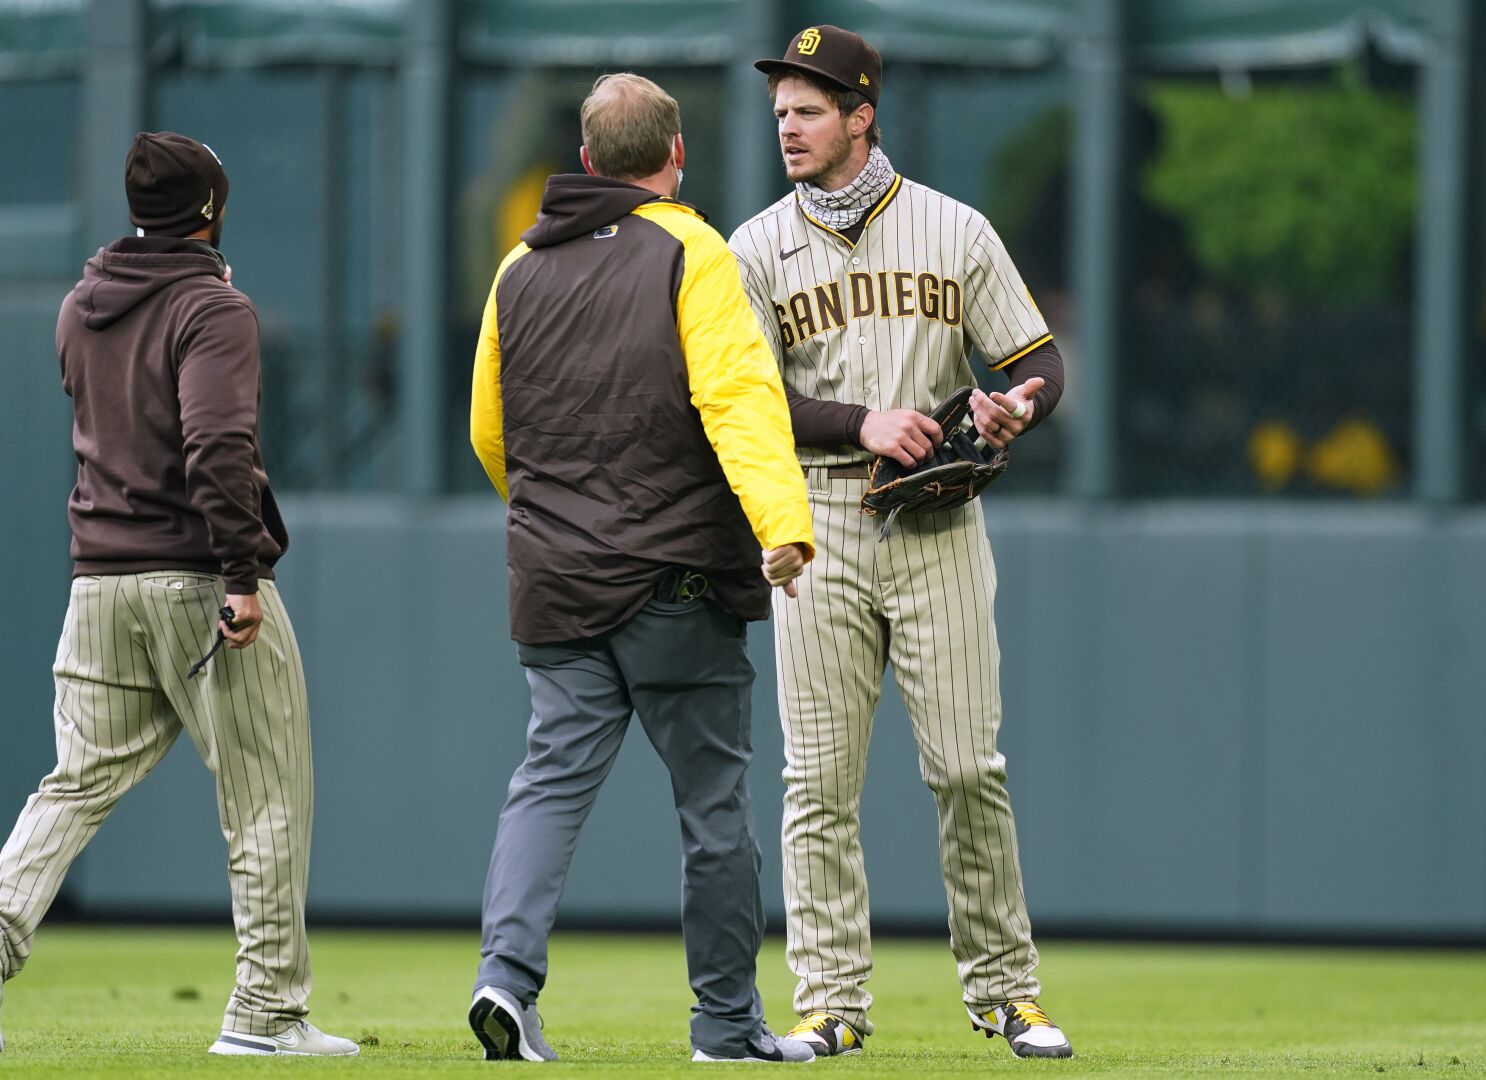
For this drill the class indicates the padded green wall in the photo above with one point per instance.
(1233, 720)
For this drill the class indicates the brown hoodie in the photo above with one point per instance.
(160, 358)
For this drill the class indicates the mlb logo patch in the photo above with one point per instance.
(606, 232)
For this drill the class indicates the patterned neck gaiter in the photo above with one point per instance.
(842, 209)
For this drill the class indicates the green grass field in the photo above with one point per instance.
(145, 1003)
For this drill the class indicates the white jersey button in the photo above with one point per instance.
(855, 261)
(861, 341)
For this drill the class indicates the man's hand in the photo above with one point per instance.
(782, 565)
(996, 414)
(901, 434)
(247, 616)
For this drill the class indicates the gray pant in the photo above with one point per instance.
(684, 669)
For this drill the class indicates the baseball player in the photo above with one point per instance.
(872, 290)
(174, 537)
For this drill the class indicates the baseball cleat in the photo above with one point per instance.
(300, 1039)
(766, 1046)
(827, 1034)
(1025, 1027)
(508, 1031)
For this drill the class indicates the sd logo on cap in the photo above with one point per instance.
(834, 54)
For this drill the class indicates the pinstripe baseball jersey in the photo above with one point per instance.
(890, 322)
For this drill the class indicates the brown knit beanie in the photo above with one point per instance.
(175, 184)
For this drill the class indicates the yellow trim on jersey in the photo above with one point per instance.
(1043, 340)
(882, 202)
(487, 417)
(879, 208)
(823, 227)
(735, 382)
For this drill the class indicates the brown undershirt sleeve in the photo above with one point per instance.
(824, 423)
(1044, 361)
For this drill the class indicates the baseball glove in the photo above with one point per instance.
(960, 468)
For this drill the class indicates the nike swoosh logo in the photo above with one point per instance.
(792, 251)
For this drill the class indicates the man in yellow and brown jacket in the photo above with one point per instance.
(627, 406)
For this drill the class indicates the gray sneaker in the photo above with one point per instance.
(766, 1046)
(300, 1039)
(507, 1030)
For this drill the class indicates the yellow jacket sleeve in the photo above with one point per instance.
(735, 386)
(487, 433)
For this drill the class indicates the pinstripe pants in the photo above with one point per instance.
(122, 700)
(922, 600)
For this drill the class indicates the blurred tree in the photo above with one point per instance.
(1295, 191)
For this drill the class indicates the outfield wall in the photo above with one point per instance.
(1219, 718)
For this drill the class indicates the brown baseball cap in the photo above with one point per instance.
(834, 54)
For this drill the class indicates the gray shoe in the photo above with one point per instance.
(507, 1030)
(300, 1039)
(766, 1046)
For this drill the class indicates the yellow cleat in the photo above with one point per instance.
(827, 1034)
(1025, 1027)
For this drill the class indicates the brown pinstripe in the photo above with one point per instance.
(863, 604)
(122, 701)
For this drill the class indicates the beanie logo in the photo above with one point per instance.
(864, 80)
(210, 209)
(809, 42)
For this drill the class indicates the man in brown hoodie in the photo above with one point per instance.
(174, 537)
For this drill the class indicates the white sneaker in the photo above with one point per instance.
(1026, 1028)
(766, 1046)
(300, 1039)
